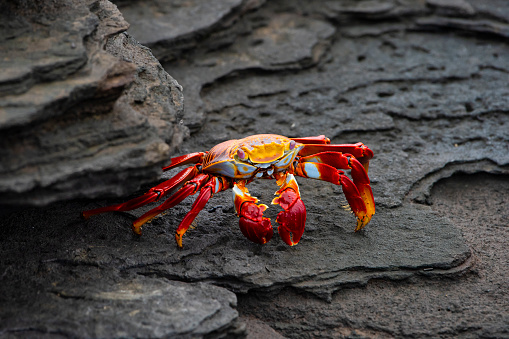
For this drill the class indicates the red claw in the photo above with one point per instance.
(253, 225)
(293, 219)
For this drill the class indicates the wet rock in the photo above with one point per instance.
(285, 42)
(472, 304)
(84, 110)
(373, 84)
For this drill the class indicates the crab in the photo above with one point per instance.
(235, 163)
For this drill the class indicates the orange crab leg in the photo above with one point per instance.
(252, 224)
(362, 204)
(292, 219)
(154, 194)
(212, 186)
(361, 152)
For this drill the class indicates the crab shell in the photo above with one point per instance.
(258, 155)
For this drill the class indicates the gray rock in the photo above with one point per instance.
(281, 42)
(390, 85)
(85, 111)
(398, 244)
(469, 305)
(284, 42)
(452, 7)
(481, 26)
(136, 307)
(171, 25)
(430, 100)
(401, 243)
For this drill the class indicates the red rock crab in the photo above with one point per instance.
(235, 163)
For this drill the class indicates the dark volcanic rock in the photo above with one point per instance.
(78, 119)
(275, 42)
(135, 307)
(399, 244)
(472, 305)
(171, 27)
(422, 83)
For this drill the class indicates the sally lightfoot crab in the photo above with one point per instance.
(235, 163)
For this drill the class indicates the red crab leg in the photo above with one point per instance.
(320, 139)
(361, 152)
(359, 174)
(191, 158)
(212, 186)
(362, 204)
(292, 219)
(154, 194)
(252, 224)
(188, 189)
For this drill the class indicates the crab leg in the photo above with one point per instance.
(358, 195)
(361, 152)
(252, 224)
(358, 172)
(212, 186)
(320, 139)
(154, 194)
(292, 219)
(188, 189)
(191, 158)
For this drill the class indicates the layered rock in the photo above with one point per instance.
(421, 83)
(84, 109)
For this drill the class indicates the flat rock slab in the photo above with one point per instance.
(400, 243)
(170, 21)
(136, 307)
(397, 244)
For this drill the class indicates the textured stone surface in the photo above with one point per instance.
(101, 263)
(78, 119)
(402, 243)
(472, 305)
(423, 83)
(172, 28)
(275, 42)
(135, 307)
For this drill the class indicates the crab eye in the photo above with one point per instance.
(241, 154)
(292, 144)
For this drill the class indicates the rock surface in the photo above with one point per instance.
(472, 305)
(135, 307)
(424, 84)
(84, 109)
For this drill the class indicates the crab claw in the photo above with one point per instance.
(293, 217)
(362, 204)
(252, 223)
